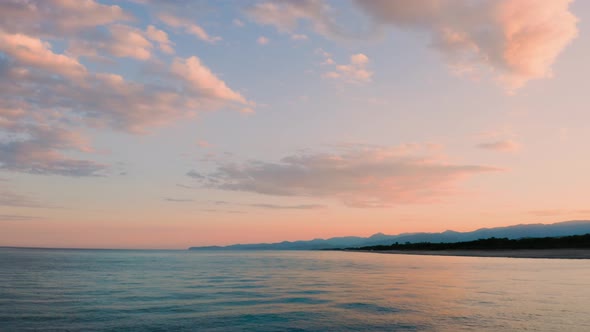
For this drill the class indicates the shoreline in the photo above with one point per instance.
(520, 253)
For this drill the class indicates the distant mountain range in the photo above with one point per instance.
(575, 227)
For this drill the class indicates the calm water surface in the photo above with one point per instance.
(103, 290)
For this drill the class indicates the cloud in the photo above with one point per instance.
(188, 27)
(51, 81)
(88, 28)
(49, 98)
(501, 146)
(327, 56)
(161, 37)
(238, 23)
(285, 15)
(288, 207)
(12, 217)
(40, 152)
(57, 18)
(223, 211)
(358, 176)
(199, 79)
(247, 110)
(12, 199)
(256, 205)
(296, 36)
(354, 72)
(518, 40)
(514, 40)
(30, 158)
(33, 52)
(203, 144)
(262, 40)
(178, 200)
(119, 41)
(194, 174)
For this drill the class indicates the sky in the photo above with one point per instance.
(168, 124)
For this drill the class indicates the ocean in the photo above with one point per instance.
(127, 290)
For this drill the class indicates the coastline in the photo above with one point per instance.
(522, 253)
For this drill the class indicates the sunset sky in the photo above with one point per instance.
(167, 124)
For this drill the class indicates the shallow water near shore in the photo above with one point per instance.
(117, 290)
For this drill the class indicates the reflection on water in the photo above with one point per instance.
(288, 291)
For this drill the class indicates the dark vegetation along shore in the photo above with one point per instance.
(575, 246)
(563, 242)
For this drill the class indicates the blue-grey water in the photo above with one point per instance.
(111, 290)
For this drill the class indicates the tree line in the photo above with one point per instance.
(493, 243)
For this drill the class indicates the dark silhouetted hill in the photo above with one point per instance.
(566, 228)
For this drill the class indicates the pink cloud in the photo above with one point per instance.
(189, 27)
(358, 177)
(121, 41)
(49, 98)
(285, 15)
(105, 99)
(327, 56)
(41, 152)
(534, 35)
(33, 52)
(13, 199)
(262, 40)
(247, 110)
(203, 144)
(518, 39)
(161, 37)
(354, 72)
(57, 17)
(202, 80)
(13, 217)
(129, 42)
(502, 146)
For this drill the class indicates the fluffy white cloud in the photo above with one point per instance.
(358, 176)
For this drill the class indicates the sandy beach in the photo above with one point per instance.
(525, 253)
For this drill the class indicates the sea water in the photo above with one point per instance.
(118, 290)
